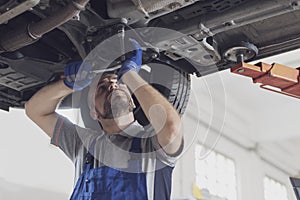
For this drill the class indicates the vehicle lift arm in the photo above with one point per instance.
(273, 77)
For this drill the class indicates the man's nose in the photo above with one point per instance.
(113, 86)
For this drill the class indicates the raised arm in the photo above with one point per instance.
(162, 115)
(42, 105)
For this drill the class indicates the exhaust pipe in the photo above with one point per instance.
(30, 33)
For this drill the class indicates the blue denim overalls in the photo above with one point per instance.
(107, 183)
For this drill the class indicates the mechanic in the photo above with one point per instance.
(123, 161)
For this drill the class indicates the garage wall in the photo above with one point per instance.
(250, 166)
(30, 167)
(250, 171)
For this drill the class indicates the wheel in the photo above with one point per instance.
(174, 84)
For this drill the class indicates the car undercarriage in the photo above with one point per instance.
(38, 37)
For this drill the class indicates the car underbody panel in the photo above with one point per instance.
(38, 37)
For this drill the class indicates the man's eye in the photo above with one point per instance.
(103, 87)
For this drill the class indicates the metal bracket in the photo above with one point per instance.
(19, 9)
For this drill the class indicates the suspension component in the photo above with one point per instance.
(240, 53)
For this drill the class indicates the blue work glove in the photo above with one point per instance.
(134, 63)
(77, 75)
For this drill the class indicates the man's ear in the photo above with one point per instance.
(94, 115)
(131, 105)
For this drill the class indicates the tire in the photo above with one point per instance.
(172, 83)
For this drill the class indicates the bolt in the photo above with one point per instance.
(92, 29)
(124, 20)
(295, 4)
(249, 52)
(197, 35)
(230, 23)
(154, 55)
(240, 58)
(241, 70)
(173, 47)
(175, 17)
(61, 57)
(89, 39)
(42, 7)
(174, 5)
(76, 17)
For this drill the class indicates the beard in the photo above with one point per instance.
(117, 103)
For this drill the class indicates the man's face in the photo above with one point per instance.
(112, 99)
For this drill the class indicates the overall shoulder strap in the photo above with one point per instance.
(89, 158)
(136, 145)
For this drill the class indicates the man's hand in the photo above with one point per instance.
(77, 75)
(134, 63)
